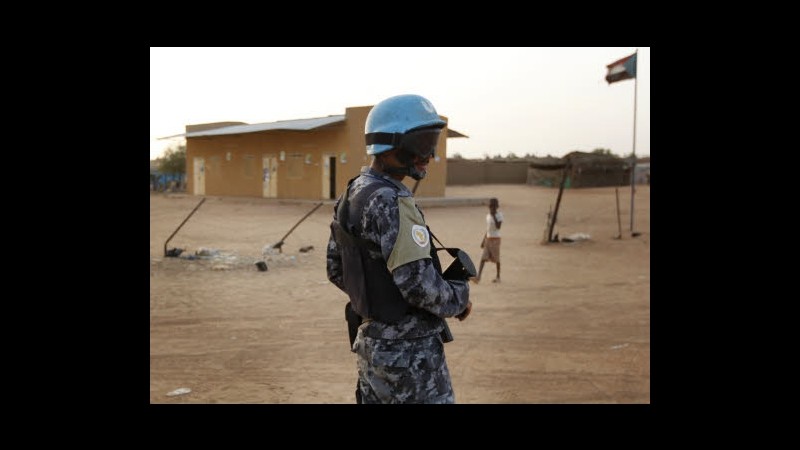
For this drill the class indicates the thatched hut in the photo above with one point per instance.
(582, 170)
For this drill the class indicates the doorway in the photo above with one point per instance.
(269, 176)
(199, 176)
(328, 176)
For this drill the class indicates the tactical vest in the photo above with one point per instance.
(368, 282)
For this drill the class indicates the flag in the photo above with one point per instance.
(623, 69)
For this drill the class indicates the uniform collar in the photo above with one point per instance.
(369, 171)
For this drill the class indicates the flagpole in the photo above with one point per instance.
(633, 167)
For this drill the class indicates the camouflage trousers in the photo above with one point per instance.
(402, 370)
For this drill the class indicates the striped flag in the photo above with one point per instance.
(623, 69)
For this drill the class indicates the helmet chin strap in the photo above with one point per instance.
(416, 174)
(410, 171)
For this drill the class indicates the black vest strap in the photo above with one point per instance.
(346, 215)
(367, 281)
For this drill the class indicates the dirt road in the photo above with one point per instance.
(570, 322)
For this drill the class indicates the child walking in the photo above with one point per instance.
(491, 240)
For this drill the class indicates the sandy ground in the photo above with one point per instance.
(570, 322)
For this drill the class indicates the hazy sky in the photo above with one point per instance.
(507, 100)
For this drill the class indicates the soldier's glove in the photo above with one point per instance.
(466, 312)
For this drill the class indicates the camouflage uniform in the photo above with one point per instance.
(402, 362)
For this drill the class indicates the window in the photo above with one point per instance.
(296, 163)
(248, 161)
(215, 164)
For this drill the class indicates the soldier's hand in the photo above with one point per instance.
(466, 311)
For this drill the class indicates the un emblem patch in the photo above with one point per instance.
(420, 235)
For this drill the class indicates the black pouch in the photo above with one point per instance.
(461, 268)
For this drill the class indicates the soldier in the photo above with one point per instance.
(380, 253)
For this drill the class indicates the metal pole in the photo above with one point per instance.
(301, 220)
(179, 226)
(279, 245)
(633, 167)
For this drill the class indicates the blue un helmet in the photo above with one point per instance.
(408, 122)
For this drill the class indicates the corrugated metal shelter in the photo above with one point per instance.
(290, 159)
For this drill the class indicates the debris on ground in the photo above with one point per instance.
(577, 237)
(174, 252)
(202, 251)
(205, 258)
(306, 249)
(179, 391)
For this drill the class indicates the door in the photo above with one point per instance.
(270, 176)
(199, 176)
(328, 176)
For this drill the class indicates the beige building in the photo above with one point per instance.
(293, 159)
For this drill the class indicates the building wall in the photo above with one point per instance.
(355, 149)
(234, 163)
(466, 172)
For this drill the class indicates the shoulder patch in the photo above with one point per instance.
(420, 235)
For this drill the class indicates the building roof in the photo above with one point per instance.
(296, 125)
(451, 133)
(281, 125)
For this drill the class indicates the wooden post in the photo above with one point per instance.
(547, 225)
(558, 201)
(619, 219)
